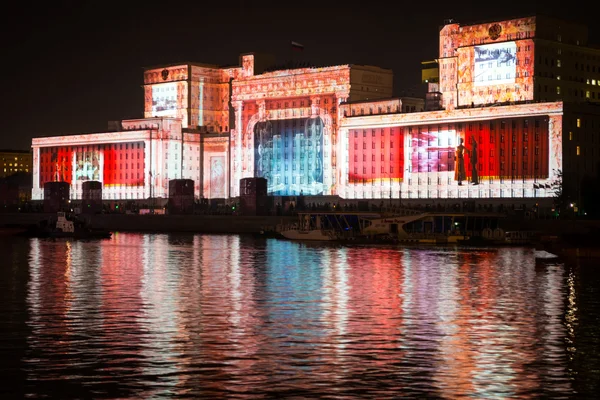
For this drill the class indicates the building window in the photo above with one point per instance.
(578, 151)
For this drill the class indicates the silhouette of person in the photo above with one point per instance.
(459, 169)
(474, 161)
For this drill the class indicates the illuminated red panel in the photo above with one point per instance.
(114, 164)
(515, 148)
(111, 156)
(376, 154)
(55, 165)
(124, 164)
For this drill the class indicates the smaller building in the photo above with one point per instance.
(14, 161)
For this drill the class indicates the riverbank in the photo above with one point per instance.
(221, 224)
(234, 224)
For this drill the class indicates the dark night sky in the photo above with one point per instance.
(71, 67)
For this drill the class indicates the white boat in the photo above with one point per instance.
(373, 227)
(62, 226)
(424, 228)
(310, 227)
(308, 234)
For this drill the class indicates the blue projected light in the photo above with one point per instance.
(289, 154)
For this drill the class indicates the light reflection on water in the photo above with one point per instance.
(157, 315)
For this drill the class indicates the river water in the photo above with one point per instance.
(229, 316)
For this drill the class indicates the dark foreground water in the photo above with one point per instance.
(200, 316)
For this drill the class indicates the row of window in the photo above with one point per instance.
(11, 159)
(588, 94)
(438, 154)
(525, 166)
(92, 148)
(431, 194)
(277, 105)
(109, 156)
(16, 169)
(109, 167)
(431, 142)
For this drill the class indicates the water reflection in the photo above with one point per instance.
(156, 315)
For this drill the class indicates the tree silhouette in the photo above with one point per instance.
(555, 187)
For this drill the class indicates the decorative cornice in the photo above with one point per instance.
(306, 83)
(97, 138)
(457, 115)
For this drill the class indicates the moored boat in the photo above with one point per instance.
(423, 228)
(311, 226)
(309, 234)
(63, 227)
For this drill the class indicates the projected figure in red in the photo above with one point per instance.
(459, 171)
(474, 160)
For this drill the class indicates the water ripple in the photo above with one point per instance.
(203, 316)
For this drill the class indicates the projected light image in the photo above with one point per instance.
(495, 64)
(87, 165)
(491, 72)
(289, 154)
(217, 177)
(56, 162)
(493, 158)
(164, 99)
(433, 151)
(515, 149)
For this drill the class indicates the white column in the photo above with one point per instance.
(147, 168)
(339, 150)
(262, 116)
(238, 133)
(36, 192)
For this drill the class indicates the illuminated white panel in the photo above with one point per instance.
(164, 100)
(87, 166)
(495, 64)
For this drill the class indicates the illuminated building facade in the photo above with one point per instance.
(487, 152)
(525, 59)
(14, 161)
(492, 130)
(136, 162)
(189, 132)
(287, 124)
(198, 94)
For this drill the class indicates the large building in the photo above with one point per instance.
(216, 126)
(525, 93)
(525, 59)
(515, 116)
